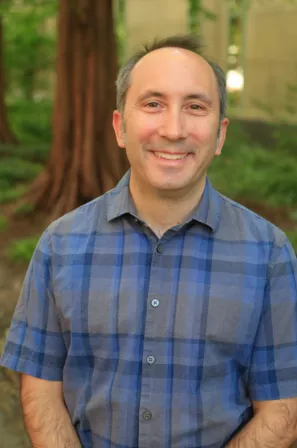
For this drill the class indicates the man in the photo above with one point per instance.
(161, 314)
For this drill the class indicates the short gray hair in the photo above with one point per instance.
(186, 42)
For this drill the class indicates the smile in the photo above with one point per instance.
(168, 156)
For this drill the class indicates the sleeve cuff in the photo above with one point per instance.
(282, 390)
(22, 365)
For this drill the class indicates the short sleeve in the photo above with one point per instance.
(35, 344)
(273, 370)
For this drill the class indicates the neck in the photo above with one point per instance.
(164, 210)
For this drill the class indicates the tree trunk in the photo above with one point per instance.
(84, 161)
(6, 136)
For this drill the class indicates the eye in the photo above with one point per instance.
(152, 104)
(196, 107)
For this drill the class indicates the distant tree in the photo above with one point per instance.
(6, 135)
(30, 37)
(84, 160)
(196, 12)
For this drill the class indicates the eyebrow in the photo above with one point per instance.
(192, 96)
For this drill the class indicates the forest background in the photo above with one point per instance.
(58, 63)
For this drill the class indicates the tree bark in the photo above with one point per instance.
(84, 160)
(6, 135)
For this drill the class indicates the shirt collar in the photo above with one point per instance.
(120, 203)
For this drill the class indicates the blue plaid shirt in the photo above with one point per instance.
(159, 343)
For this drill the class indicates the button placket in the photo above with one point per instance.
(153, 328)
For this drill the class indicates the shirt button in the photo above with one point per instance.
(147, 415)
(160, 249)
(151, 359)
(155, 303)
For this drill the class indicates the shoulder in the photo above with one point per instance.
(238, 223)
(84, 219)
(76, 231)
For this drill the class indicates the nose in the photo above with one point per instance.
(173, 126)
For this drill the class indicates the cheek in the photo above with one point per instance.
(204, 134)
(141, 132)
(147, 126)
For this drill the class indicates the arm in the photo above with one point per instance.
(274, 425)
(46, 417)
(273, 367)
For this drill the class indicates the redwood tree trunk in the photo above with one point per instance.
(84, 161)
(6, 136)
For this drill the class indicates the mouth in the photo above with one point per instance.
(171, 156)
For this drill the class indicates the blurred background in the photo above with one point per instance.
(58, 63)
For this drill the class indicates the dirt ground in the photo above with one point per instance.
(11, 276)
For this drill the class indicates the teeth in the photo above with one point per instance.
(164, 155)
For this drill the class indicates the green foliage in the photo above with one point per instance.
(14, 170)
(196, 11)
(21, 251)
(29, 45)
(292, 235)
(3, 223)
(193, 8)
(120, 30)
(254, 172)
(29, 34)
(3, 340)
(12, 194)
(4, 184)
(286, 139)
(293, 215)
(24, 209)
(37, 152)
(236, 137)
(30, 121)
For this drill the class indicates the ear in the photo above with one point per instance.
(222, 136)
(118, 126)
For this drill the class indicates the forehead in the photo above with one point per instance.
(173, 69)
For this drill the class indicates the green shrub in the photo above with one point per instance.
(256, 173)
(292, 235)
(11, 194)
(31, 121)
(34, 152)
(24, 209)
(21, 251)
(286, 139)
(13, 169)
(4, 184)
(236, 137)
(293, 215)
(3, 223)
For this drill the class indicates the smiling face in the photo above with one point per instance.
(171, 121)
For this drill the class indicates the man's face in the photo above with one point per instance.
(171, 121)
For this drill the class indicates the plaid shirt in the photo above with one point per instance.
(159, 343)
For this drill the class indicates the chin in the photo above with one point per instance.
(169, 186)
(168, 182)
